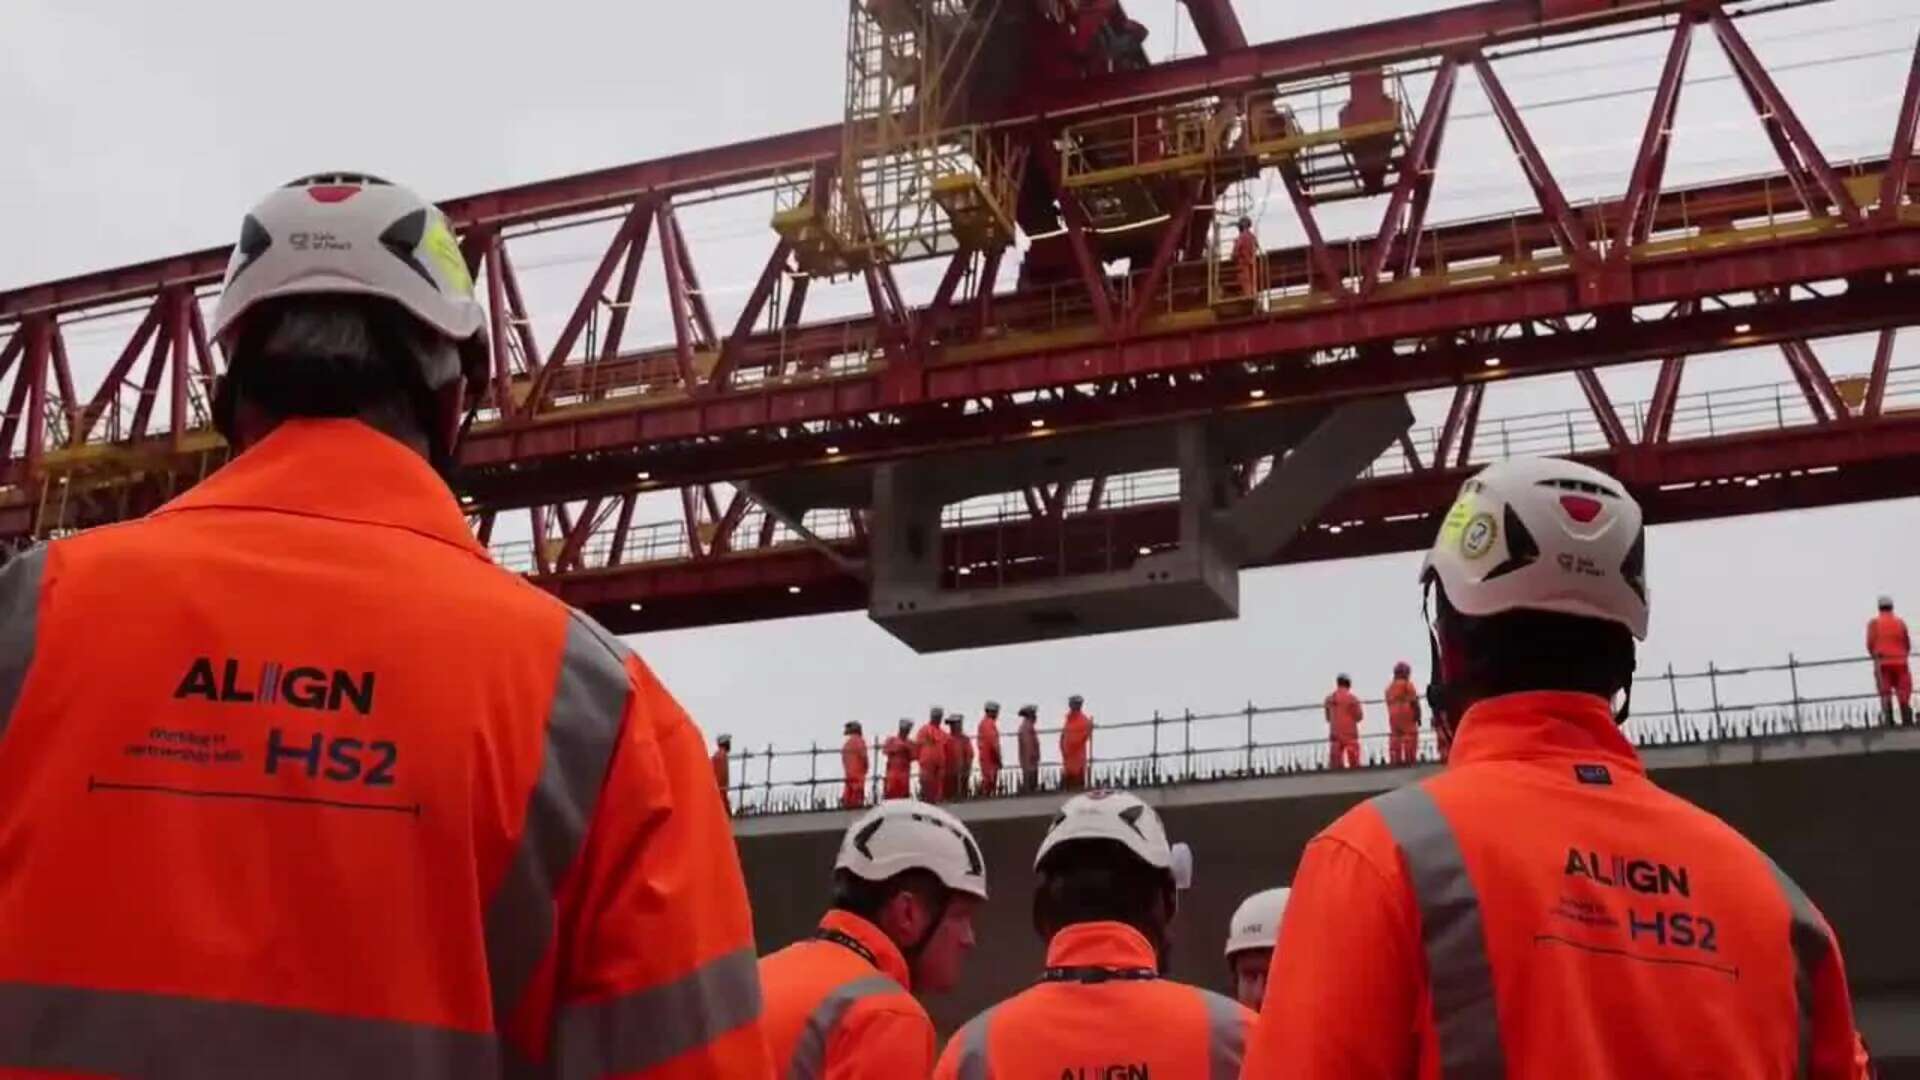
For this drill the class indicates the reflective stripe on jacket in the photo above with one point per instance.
(300, 785)
(1118, 1027)
(831, 1013)
(1542, 909)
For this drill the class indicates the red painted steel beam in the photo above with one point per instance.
(1650, 161)
(1218, 25)
(1683, 481)
(1900, 159)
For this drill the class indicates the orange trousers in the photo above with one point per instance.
(1343, 753)
(1403, 746)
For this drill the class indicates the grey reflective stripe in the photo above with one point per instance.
(973, 1048)
(19, 621)
(583, 723)
(810, 1053)
(650, 1027)
(1226, 1036)
(1465, 1014)
(1810, 944)
(161, 1037)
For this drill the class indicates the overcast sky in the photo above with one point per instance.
(135, 131)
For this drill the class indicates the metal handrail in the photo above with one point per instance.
(1670, 708)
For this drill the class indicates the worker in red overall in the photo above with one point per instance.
(959, 758)
(1889, 645)
(1076, 743)
(898, 750)
(853, 766)
(1246, 259)
(930, 746)
(988, 736)
(1343, 726)
(1403, 716)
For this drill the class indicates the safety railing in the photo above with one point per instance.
(1671, 708)
(1699, 414)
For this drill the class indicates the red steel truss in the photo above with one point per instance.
(581, 423)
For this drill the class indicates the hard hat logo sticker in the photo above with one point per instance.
(1477, 538)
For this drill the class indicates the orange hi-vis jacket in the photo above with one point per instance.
(930, 745)
(838, 1006)
(899, 754)
(1403, 705)
(1100, 1011)
(299, 784)
(1075, 734)
(1887, 640)
(959, 763)
(1343, 715)
(1542, 909)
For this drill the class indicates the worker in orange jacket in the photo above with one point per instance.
(988, 737)
(722, 757)
(1076, 742)
(930, 746)
(1108, 888)
(959, 757)
(1344, 714)
(379, 806)
(1541, 907)
(898, 750)
(906, 884)
(1889, 645)
(853, 766)
(1403, 716)
(1027, 738)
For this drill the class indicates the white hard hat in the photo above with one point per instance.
(348, 233)
(1886, 601)
(1543, 534)
(1124, 819)
(993, 706)
(907, 834)
(1256, 922)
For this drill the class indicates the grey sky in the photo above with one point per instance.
(135, 131)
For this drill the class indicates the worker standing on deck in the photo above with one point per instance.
(840, 1004)
(959, 757)
(1028, 738)
(1403, 716)
(1250, 938)
(1108, 888)
(930, 745)
(1246, 259)
(853, 766)
(330, 794)
(1344, 714)
(988, 736)
(1541, 908)
(722, 752)
(898, 750)
(1076, 743)
(1889, 645)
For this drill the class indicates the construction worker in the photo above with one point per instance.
(1076, 742)
(959, 757)
(1246, 259)
(1889, 645)
(840, 1004)
(853, 766)
(1027, 738)
(1108, 888)
(1250, 938)
(1403, 716)
(722, 753)
(988, 737)
(1344, 714)
(930, 746)
(1541, 908)
(898, 750)
(331, 794)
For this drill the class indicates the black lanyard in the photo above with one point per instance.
(847, 941)
(1097, 974)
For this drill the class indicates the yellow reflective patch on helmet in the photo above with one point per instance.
(440, 245)
(1458, 515)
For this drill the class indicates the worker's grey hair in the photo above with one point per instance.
(340, 330)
